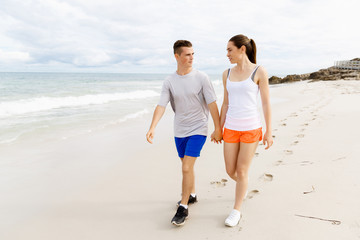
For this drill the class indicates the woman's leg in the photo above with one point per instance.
(231, 152)
(245, 156)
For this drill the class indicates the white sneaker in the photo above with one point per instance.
(233, 219)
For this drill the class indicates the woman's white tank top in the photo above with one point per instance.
(242, 114)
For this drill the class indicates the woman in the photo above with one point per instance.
(240, 116)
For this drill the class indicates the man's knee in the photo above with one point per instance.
(188, 164)
(187, 168)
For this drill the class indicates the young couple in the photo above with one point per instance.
(192, 96)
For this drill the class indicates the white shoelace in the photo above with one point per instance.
(234, 215)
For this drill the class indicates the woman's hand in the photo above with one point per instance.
(268, 140)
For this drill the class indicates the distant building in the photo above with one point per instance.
(349, 64)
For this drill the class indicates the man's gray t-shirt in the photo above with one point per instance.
(189, 96)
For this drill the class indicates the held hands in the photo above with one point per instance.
(268, 140)
(216, 136)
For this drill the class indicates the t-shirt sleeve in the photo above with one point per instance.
(165, 94)
(208, 91)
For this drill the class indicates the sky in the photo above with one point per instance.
(136, 36)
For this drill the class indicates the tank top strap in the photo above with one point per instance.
(253, 73)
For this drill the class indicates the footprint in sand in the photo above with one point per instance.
(300, 135)
(267, 177)
(283, 124)
(278, 163)
(303, 129)
(288, 152)
(305, 124)
(305, 163)
(221, 183)
(252, 193)
(294, 143)
(256, 154)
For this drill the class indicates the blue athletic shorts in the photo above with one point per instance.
(190, 146)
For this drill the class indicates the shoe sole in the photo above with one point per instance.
(228, 225)
(179, 224)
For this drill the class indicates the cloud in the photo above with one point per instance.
(292, 36)
(14, 57)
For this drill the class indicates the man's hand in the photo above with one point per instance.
(158, 113)
(150, 135)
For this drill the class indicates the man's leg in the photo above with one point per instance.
(188, 181)
(193, 188)
(187, 186)
(192, 148)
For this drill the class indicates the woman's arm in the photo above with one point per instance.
(263, 81)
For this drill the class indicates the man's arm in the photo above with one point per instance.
(158, 113)
(217, 134)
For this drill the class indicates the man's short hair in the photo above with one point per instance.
(181, 43)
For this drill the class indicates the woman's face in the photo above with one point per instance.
(233, 53)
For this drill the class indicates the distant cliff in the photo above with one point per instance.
(331, 73)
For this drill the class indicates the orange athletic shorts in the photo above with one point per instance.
(251, 136)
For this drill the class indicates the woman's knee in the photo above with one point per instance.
(231, 171)
(242, 173)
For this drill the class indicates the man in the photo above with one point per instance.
(192, 96)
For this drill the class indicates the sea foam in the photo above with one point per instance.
(38, 104)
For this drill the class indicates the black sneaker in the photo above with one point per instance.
(190, 201)
(180, 216)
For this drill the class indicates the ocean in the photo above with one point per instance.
(56, 106)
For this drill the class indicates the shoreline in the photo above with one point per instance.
(112, 184)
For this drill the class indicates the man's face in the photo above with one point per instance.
(186, 57)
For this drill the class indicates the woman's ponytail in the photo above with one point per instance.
(251, 53)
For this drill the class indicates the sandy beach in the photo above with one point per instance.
(112, 184)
